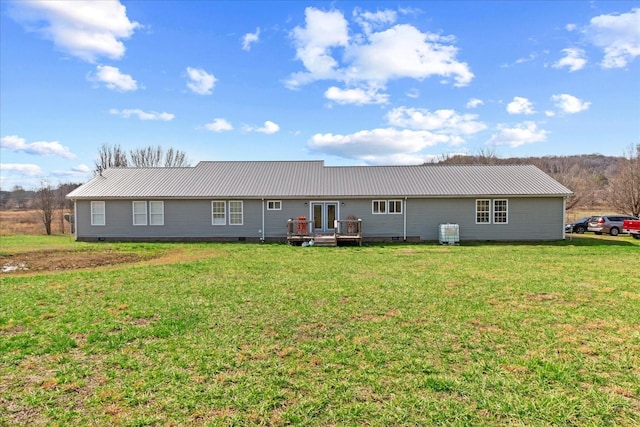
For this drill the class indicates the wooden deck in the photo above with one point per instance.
(346, 231)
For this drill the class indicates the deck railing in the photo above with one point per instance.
(349, 227)
(301, 230)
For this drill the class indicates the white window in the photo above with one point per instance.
(483, 211)
(218, 212)
(395, 206)
(97, 213)
(235, 212)
(379, 207)
(139, 213)
(386, 207)
(500, 211)
(156, 213)
(274, 205)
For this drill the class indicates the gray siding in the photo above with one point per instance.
(188, 219)
(529, 219)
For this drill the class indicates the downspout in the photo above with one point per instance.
(564, 217)
(74, 226)
(262, 229)
(404, 235)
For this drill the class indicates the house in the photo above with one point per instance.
(296, 201)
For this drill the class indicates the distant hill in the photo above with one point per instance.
(587, 175)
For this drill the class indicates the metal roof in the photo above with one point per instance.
(292, 179)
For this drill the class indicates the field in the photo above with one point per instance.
(251, 334)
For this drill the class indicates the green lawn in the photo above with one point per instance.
(250, 334)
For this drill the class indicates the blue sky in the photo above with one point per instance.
(351, 83)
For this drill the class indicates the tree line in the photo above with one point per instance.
(595, 180)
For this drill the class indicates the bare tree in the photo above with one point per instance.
(63, 204)
(111, 156)
(147, 157)
(45, 203)
(175, 158)
(624, 186)
(21, 198)
(155, 156)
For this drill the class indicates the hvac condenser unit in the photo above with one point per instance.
(449, 234)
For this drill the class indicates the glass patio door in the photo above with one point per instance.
(324, 216)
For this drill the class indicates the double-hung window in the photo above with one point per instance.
(218, 212)
(97, 213)
(500, 211)
(235, 212)
(156, 213)
(139, 213)
(483, 211)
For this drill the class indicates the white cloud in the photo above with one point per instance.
(529, 58)
(21, 169)
(324, 30)
(413, 93)
(83, 28)
(523, 133)
(520, 105)
(114, 79)
(446, 122)
(570, 104)
(356, 96)
(618, 36)
(39, 148)
(200, 81)
(219, 125)
(80, 171)
(403, 51)
(571, 27)
(378, 146)
(474, 103)
(574, 59)
(268, 128)
(374, 20)
(142, 115)
(372, 58)
(249, 39)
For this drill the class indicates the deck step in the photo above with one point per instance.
(325, 240)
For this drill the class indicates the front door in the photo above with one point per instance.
(324, 215)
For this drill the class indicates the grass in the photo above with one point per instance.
(249, 334)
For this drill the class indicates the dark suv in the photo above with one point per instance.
(579, 226)
(611, 224)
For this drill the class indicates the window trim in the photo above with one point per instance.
(94, 213)
(241, 213)
(386, 203)
(224, 213)
(161, 213)
(377, 203)
(496, 212)
(274, 205)
(394, 203)
(487, 211)
(134, 213)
